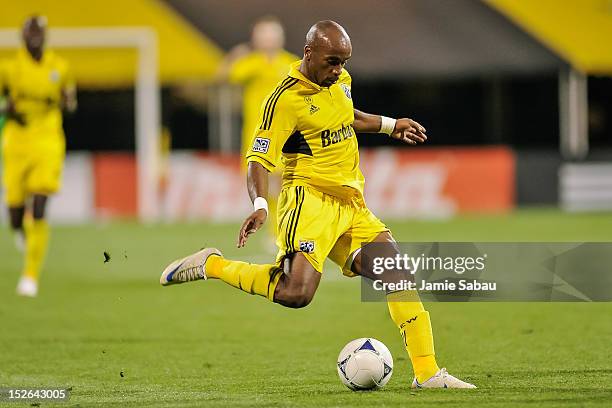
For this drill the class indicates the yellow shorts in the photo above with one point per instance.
(320, 225)
(24, 173)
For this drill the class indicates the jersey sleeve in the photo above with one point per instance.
(277, 121)
(68, 81)
(241, 71)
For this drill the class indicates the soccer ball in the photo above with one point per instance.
(365, 364)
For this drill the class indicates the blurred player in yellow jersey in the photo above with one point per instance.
(38, 86)
(257, 68)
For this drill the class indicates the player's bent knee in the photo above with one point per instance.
(294, 295)
(298, 300)
(296, 304)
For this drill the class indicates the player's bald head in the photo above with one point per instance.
(35, 22)
(268, 34)
(33, 32)
(328, 34)
(327, 49)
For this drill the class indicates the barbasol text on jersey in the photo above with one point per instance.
(330, 137)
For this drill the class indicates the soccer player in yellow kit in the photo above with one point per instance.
(257, 69)
(309, 122)
(39, 87)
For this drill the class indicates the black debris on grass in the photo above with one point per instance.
(107, 257)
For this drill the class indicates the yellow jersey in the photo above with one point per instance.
(308, 128)
(35, 88)
(258, 75)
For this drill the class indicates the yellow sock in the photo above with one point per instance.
(37, 240)
(413, 321)
(251, 278)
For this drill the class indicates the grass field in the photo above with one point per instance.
(112, 334)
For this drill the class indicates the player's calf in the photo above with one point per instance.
(19, 239)
(16, 215)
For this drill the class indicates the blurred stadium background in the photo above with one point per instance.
(517, 100)
(517, 105)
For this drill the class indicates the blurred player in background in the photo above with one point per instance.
(38, 86)
(257, 67)
(309, 122)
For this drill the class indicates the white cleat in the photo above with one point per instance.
(188, 269)
(27, 287)
(442, 379)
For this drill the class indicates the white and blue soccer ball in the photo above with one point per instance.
(365, 364)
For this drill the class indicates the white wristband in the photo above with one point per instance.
(260, 203)
(387, 125)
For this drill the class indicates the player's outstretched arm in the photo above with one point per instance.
(69, 99)
(404, 129)
(227, 70)
(257, 185)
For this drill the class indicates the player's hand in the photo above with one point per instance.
(17, 117)
(238, 51)
(409, 131)
(250, 225)
(12, 114)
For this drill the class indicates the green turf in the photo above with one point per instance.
(207, 344)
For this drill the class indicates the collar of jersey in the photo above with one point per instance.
(24, 53)
(294, 72)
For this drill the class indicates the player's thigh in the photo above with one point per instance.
(382, 246)
(366, 228)
(308, 223)
(15, 167)
(302, 280)
(45, 177)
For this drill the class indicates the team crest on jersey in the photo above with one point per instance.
(307, 247)
(261, 145)
(307, 100)
(347, 90)
(54, 76)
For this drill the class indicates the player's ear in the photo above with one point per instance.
(307, 52)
